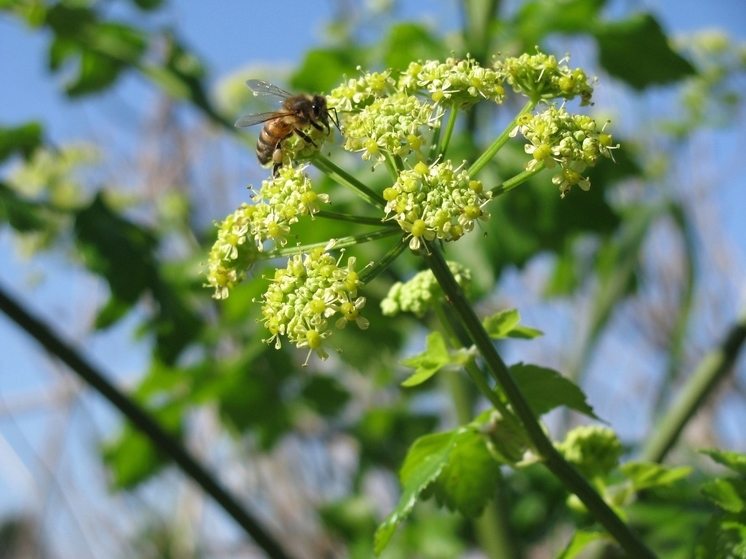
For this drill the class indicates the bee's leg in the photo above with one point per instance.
(305, 137)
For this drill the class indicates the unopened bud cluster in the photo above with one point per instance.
(420, 293)
(593, 449)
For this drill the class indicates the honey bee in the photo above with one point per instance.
(297, 112)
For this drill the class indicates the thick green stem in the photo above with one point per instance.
(346, 179)
(499, 142)
(556, 463)
(716, 365)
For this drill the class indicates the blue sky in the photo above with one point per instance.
(238, 34)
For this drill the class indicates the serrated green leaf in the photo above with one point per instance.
(732, 460)
(469, 480)
(424, 463)
(645, 475)
(429, 362)
(580, 539)
(505, 324)
(729, 494)
(638, 52)
(546, 389)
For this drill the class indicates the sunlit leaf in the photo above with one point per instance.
(729, 494)
(649, 475)
(504, 324)
(736, 461)
(546, 389)
(580, 539)
(426, 459)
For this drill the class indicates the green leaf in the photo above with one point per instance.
(325, 394)
(23, 139)
(124, 254)
(132, 457)
(469, 479)
(647, 475)
(21, 214)
(504, 324)
(638, 52)
(148, 5)
(546, 389)
(323, 69)
(735, 461)
(537, 19)
(408, 42)
(580, 539)
(728, 494)
(429, 362)
(424, 463)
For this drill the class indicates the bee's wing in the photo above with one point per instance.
(256, 118)
(263, 88)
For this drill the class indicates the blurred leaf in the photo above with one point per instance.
(124, 254)
(325, 395)
(23, 140)
(536, 20)
(425, 461)
(728, 494)
(580, 539)
(132, 457)
(408, 42)
(323, 69)
(148, 4)
(736, 461)
(504, 324)
(637, 51)
(22, 215)
(649, 475)
(101, 51)
(546, 389)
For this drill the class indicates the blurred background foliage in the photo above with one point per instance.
(632, 281)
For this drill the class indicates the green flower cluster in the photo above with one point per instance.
(573, 141)
(420, 293)
(593, 449)
(542, 76)
(306, 294)
(281, 200)
(393, 124)
(461, 82)
(435, 202)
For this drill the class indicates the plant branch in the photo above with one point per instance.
(715, 366)
(346, 179)
(499, 142)
(556, 463)
(44, 335)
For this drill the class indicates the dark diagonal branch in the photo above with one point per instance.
(140, 419)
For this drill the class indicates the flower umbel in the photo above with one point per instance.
(436, 201)
(573, 141)
(306, 294)
(542, 76)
